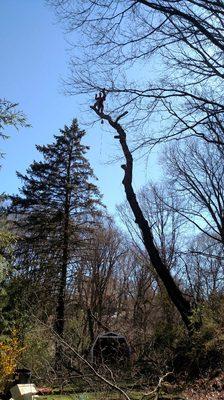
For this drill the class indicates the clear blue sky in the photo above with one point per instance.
(34, 60)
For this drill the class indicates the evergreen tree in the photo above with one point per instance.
(10, 116)
(54, 214)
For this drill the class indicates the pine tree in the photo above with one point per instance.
(54, 213)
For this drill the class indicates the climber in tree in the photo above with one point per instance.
(100, 99)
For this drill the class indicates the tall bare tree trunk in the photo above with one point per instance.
(174, 292)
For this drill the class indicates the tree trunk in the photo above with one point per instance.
(90, 325)
(60, 310)
(175, 294)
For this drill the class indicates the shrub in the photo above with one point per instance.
(10, 353)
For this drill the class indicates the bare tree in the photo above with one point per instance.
(182, 304)
(196, 173)
(152, 302)
(96, 284)
(184, 92)
(203, 263)
(177, 47)
(165, 222)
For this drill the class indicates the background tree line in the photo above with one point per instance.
(80, 273)
(72, 270)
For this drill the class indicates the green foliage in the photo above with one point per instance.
(7, 242)
(57, 204)
(54, 216)
(7, 239)
(203, 351)
(207, 343)
(172, 349)
(39, 354)
(75, 331)
(10, 115)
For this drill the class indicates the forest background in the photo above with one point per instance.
(67, 268)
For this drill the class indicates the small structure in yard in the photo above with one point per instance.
(24, 391)
(110, 348)
(22, 388)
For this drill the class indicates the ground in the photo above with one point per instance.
(210, 388)
(206, 389)
(203, 395)
(192, 393)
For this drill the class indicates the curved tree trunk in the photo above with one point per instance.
(182, 304)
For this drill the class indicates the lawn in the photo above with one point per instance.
(94, 396)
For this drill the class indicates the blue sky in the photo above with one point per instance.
(34, 59)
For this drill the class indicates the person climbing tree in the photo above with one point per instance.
(100, 99)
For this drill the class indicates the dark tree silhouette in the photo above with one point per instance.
(182, 304)
(54, 215)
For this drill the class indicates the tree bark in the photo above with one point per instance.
(174, 292)
(60, 310)
(90, 325)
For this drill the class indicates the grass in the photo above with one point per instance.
(135, 395)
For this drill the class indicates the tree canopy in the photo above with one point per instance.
(161, 60)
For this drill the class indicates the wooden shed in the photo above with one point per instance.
(110, 348)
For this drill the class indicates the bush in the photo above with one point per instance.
(10, 353)
(203, 352)
(39, 355)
